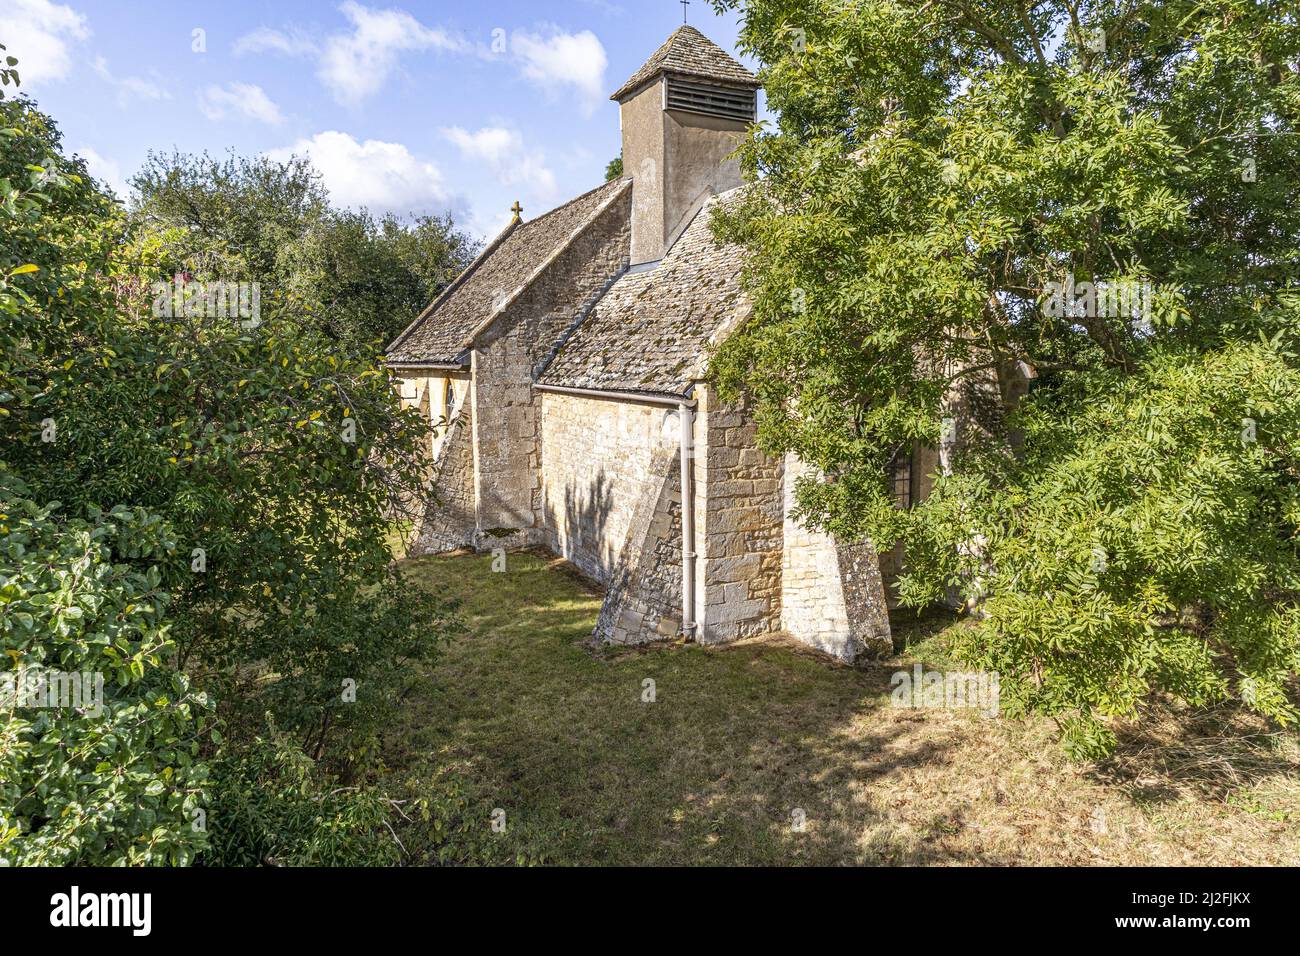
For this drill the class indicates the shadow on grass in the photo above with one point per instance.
(917, 630)
(738, 745)
(1203, 753)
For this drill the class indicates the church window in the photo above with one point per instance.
(900, 478)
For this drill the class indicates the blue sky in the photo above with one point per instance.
(411, 106)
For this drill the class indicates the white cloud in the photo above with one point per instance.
(129, 88)
(492, 143)
(355, 65)
(557, 61)
(604, 6)
(105, 170)
(383, 177)
(37, 32)
(503, 152)
(264, 39)
(239, 99)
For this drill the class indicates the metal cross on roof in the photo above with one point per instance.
(685, 4)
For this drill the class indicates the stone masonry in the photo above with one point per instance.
(600, 461)
(832, 595)
(449, 517)
(739, 525)
(506, 408)
(643, 602)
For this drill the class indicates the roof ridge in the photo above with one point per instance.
(697, 56)
(454, 284)
(487, 252)
(578, 198)
(623, 186)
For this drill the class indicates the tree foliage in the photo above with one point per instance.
(944, 178)
(355, 277)
(121, 779)
(196, 503)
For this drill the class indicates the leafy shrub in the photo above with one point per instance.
(278, 456)
(253, 471)
(273, 806)
(1145, 542)
(938, 177)
(120, 786)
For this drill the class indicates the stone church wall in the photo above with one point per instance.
(449, 514)
(507, 410)
(832, 594)
(643, 602)
(599, 463)
(739, 534)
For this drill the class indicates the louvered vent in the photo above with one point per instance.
(723, 101)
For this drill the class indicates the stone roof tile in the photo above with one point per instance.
(689, 52)
(652, 329)
(440, 334)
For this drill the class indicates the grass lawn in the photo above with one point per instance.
(738, 738)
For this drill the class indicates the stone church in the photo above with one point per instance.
(564, 378)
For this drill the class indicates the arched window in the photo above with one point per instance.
(449, 399)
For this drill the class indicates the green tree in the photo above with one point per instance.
(943, 180)
(99, 735)
(278, 455)
(615, 168)
(226, 218)
(193, 496)
(117, 782)
(368, 278)
(355, 277)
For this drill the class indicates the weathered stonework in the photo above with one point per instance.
(833, 597)
(739, 525)
(504, 359)
(644, 600)
(449, 517)
(600, 461)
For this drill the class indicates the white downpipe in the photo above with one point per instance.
(686, 419)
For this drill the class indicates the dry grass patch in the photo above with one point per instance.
(739, 738)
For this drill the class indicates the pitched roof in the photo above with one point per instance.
(651, 331)
(442, 331)
(690, 53)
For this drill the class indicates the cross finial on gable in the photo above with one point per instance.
(516, 209)
(685, 4)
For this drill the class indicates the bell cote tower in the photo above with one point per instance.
(682, 114)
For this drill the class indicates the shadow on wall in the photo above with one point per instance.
(580, 534)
